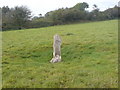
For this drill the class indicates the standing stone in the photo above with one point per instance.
(56, 49)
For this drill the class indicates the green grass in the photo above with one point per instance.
(89, 54)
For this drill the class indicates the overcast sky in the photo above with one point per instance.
(43, 6)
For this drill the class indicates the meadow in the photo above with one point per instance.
(89, 56)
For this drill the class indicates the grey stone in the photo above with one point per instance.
(56, 49)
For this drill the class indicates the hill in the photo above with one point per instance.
(89, 54)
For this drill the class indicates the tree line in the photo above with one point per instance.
(20, 17)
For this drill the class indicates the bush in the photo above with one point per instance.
(41, 22)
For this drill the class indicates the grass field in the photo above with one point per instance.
(89, 54)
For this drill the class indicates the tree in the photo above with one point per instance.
(81, 6)
(95, 13)
(112, 13)
(15, 18)
(21, 16)
(40, 15)
(6, 18)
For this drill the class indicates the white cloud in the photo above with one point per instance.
(43, 6)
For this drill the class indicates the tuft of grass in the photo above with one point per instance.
(89, 54)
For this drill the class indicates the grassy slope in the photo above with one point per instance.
(89, 53)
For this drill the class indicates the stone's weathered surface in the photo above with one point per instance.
(55, 59)
(56, 49)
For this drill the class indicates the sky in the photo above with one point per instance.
(44, 6)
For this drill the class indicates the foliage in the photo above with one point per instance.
(112, 13)
(40, 22)
(15, 18)
(89, 54)
(81, 6)
(20, 17)
(6, 18)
